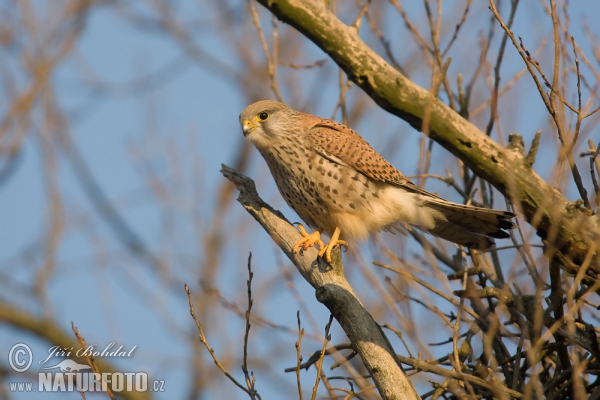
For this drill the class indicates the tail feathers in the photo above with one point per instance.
(470, 226)
(462, 236)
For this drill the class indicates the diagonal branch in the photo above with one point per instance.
(569, 229)
(334, 291)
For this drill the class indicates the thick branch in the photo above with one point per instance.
(567, 228)
(333, 290)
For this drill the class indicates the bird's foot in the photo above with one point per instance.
(308, 240)
(335, 240)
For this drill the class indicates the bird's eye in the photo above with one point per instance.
(263, 116)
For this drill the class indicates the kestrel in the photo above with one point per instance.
(338, 184)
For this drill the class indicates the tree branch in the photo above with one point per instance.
(47, 329)
(567, 228)
(334, 291)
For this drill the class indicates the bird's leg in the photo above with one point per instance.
(335, 240)
(308, 240)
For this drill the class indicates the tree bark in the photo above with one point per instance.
(573, 232)
(334, 291)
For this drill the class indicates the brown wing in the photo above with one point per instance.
(340, 144)
(466, 225)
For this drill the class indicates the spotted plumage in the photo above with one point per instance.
(334, 179)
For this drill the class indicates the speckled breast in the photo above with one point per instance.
(316, 187)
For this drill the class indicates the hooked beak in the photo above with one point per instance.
(247, 126)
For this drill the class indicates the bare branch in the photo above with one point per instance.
(202, 338)
(333, 290)
(544, 207)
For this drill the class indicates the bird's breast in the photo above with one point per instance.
(325, 194)
(289, 165)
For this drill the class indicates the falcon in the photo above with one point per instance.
(339, 185)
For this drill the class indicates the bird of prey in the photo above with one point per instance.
(338, 184)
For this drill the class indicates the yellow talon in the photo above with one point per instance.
(308, 240)
(326, 250)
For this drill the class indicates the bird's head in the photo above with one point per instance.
(266, 121)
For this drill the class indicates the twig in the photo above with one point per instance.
(485, 47)
(385, 43)
(547, 83)
(427, 286)
(548, 99)
(92, 364)
(457, 364)
(426, 367)
(299, 356)
(236, 308)
(430, 307)
(399, 335)
(484, 105)
(450, 181)
(203, 340)
(317, 63)
(595, 160)
(331, 350)
(250, 382)
(271, 58)
(326, 340)
(457, 28)
(419, 39)
(495, 91)
(435, 28)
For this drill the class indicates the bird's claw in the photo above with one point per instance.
(326, 251)
(308, 240)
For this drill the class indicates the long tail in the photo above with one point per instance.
(469, 226)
